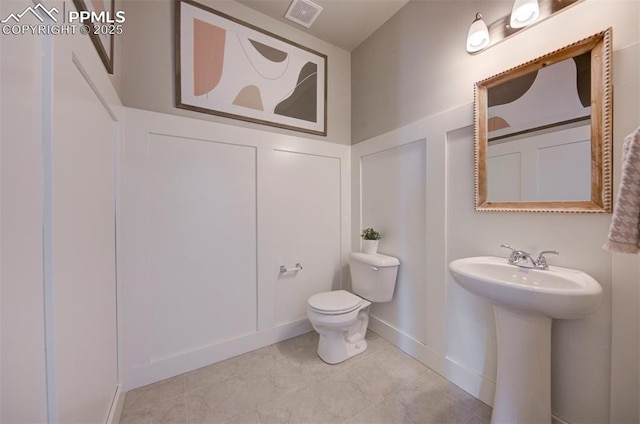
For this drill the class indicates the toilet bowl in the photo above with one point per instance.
(341, 318)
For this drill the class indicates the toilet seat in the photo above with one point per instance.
(334, 302)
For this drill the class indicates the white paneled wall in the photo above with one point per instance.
(209, 214)
(82, 120)
(394, 202)
(83, 247)
(302, 200)
(456, 331)
(60, 138)
(201, 241)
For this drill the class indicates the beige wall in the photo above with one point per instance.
(415, 67)
(416, 64)
(116, 77)
(148, 64)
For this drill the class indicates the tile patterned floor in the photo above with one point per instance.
(288, 383)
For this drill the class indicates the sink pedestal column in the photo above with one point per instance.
(523, 387)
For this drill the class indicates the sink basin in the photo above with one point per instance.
(524, 302)
(556, 293)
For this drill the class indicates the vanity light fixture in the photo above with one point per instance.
(524, 12)
(478, 36)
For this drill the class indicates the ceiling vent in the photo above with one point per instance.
(303, 12)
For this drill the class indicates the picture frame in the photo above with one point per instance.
(104, 43)
(230, 68)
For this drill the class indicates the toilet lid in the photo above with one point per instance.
(334, 302)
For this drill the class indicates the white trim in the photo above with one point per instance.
(47, 226)
(556, 420)
(116, 406)
(87, 77)
(142, 122)
(440, 123)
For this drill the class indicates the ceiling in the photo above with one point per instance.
(343, 23)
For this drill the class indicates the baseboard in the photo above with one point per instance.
(469, 381)
(162, 368)
(556, 420)
(116, 406)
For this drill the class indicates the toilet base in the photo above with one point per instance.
(328, 352)
(336, 346)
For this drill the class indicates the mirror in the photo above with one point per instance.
(543, 132)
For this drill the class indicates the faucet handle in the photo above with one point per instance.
(513, 258)
(548, 252)
(541, 261)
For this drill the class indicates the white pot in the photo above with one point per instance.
(370, 247)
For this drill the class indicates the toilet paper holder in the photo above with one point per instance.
(284, 269)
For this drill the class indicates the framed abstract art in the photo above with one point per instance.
(230, 68)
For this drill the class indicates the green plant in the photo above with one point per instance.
(370, 234)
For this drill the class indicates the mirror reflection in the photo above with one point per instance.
(539, 134)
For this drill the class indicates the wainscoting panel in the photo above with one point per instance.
(210, 213)
(303, 202)
(401, 182)
(201, 242)
(394, 202)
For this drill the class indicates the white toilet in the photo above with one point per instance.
(341, 318)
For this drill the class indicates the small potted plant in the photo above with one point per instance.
(370, 240)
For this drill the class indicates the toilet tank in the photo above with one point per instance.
(373, 276)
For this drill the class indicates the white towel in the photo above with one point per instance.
(624, 233)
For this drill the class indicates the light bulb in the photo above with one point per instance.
(478, 36)
(524, 12)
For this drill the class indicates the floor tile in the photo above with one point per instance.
(345, 396)
(297, 345)
(303, 406)
(167, 411)
(392, 365)
(423, 402)
(482, 415)
(250, 417)
(288, 383)
(152, 394)
(255, 360)
(387, 412)
(436, 382)
(230, 398)
(211, 374)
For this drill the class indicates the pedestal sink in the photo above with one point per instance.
(525, 301)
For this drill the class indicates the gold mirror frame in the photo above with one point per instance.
(601, 129)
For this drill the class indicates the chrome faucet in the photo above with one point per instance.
(517, 256)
